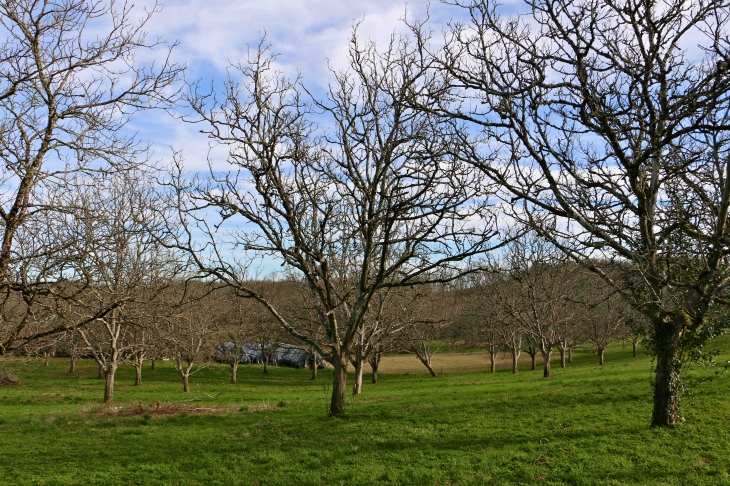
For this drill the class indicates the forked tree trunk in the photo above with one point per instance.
(426, 360)
(600, 355)
(667, 381)
(339, 385)
(546, 354)
(515, 356)
(357, 384)
(138, 362)
(72, 367)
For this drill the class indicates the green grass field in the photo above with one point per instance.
(587, 425)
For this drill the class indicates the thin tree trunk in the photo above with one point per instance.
(492, 359)
(357, 384)
(153, 365)
(339, 385)
(667, 381)
(72, 368)
(562, 356)
(101, 372)
(48, 358)
(634, 346)
(515, 356)
(234, 372)
(138, 362)
(374, 364)
(186, 382)
(570, 354)
(314, 364)
(426, 360)
(266, 365)
(600, 356)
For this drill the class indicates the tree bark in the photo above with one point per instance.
(48, 358)
(186, 382)
(634, 345)
(667, 333)
(427, 363)
(570, 354)
(374, 364)
(600, 355)
(562, 356)
(138, 362)
(234, 372)
(515, 356)
(357, 384)
(109, 384)
(339, 385)
(314, 364)
(493, 359)
(546, 357)
(101, 372)
(152, 367)
(72, 367)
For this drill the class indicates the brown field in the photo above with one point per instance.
(445, 363)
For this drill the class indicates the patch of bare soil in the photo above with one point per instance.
(158, 409)
(8, 380)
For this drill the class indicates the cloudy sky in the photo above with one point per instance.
(308, 35)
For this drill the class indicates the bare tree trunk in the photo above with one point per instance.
(546, 357)
(515, 356)
(234, 371)
(570, 354)
(266, 364)
(101, 372)
(109, 383)
(314, 364)
(493, 359)
(138, 362)
(426, 360)
(600, 355)
(562, 356)
(48, 358)
(634, 344)
(667, 382)
(186, 382)
(374, 364)
(357, 385)
(152, 367)
(339, 385)
(72, 368)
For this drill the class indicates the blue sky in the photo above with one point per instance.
(307, 35)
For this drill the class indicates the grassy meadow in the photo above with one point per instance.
(587, 425)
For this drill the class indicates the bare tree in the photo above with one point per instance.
(613, 121)
(191, 328)
(125, 266)
(379, 201)
(66, 94)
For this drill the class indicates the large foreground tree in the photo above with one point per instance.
(611, 119)
(379, 200)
